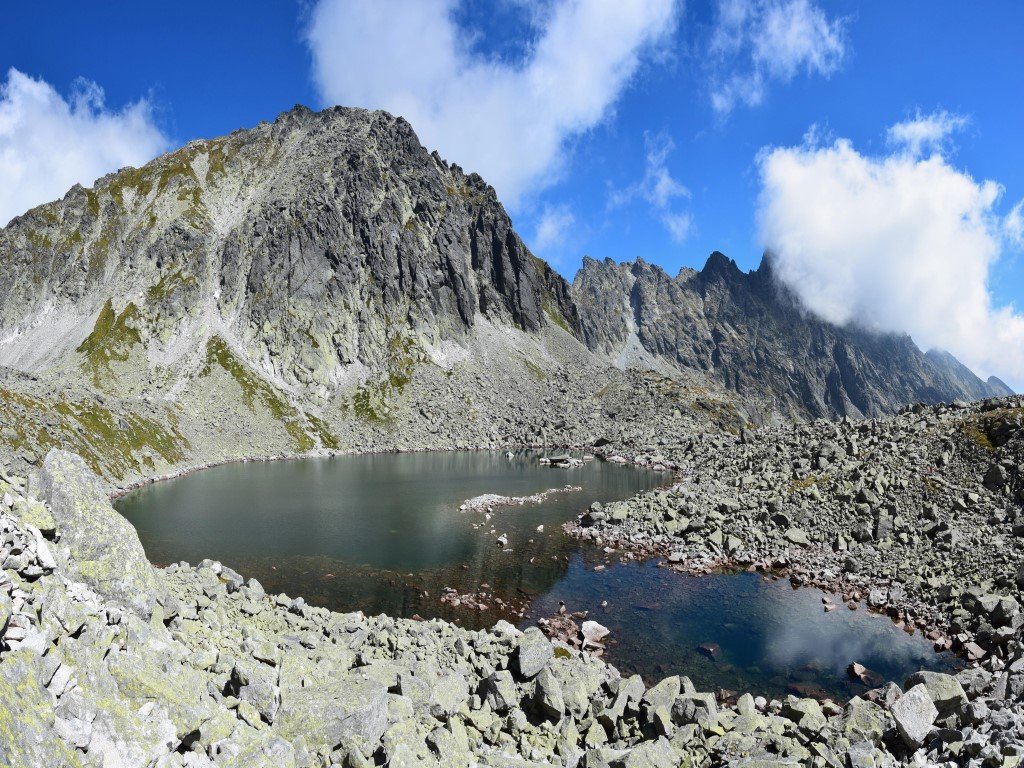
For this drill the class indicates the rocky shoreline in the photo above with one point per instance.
(838, 533)
(112, 662)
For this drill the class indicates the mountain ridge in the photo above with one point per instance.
(214, 222)
(751, 334)
(323, 282)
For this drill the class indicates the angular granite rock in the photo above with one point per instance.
(105, 549)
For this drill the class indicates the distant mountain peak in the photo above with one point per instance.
(750, 333)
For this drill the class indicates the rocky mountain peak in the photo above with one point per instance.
(718, 264)
(312, 244)
(749, 333)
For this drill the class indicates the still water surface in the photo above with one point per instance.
(384, 533)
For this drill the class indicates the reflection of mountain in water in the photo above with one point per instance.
(381, 533)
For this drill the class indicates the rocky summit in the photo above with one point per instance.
(323, 284)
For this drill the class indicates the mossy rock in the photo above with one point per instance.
(27, 736)
(105, 549)
(35, 513)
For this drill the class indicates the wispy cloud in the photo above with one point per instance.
(658, 188)
(926, 133)
(1013, 225)
(553, 228)
(48, 142)
(511, 122)
(898, 242)
(755, 42)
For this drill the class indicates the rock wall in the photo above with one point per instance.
(749, 334)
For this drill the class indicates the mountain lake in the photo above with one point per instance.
(386, 533)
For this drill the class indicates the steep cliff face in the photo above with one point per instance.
(750, 334)
(318, 249)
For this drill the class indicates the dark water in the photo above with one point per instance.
(768, 637)
(376, 532)
(384, 533)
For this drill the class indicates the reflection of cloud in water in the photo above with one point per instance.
(832, 642)
(769, 635)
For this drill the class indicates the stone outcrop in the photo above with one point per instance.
(103, 549)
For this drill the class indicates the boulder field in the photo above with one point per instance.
(108, 661)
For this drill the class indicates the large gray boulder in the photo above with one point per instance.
(944, 690)
(533, 653)
(914, 714)
(105, 551)
(351, 711)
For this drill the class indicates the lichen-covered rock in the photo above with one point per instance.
(27, 735)
(105, 549)
(533, 653)
(945, 691)
(863, 721)
(349, 710)
(35, 513)
(548, 695)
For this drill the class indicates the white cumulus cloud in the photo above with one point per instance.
(658, 188)
(1013, 225)
(897, 242)
(510, 122)
(48, 143)
(756, 41)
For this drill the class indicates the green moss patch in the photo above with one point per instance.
(169, 284)
(990, 429)
(113, 445)
(555, 316)
(535, 370)
(257, 392)
(137, 179)
(112, 339)
(808, 482)
(375, 400)
(118, 445)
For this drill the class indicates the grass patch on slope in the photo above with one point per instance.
(113, 445)
(111, 339)
(256, 391)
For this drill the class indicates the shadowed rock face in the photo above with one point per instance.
(311, 243)
(750, 334)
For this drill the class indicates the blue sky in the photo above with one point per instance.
(641, 162)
